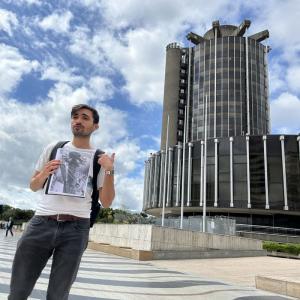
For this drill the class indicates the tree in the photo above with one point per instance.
(106, 215)
(19, 215)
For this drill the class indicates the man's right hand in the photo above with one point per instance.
(38, 179)
(50, 167)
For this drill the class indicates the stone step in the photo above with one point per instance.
(211, 253)
(279, 285)
(173, 254)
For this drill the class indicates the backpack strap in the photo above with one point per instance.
(54, 150)
(95, 195)
(96, 170)
(51, 157)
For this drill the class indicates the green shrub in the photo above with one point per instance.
(282, 247)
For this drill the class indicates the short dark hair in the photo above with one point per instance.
(77, 107)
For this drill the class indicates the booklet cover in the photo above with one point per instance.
(71, 178)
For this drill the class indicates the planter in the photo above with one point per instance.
(282, 254)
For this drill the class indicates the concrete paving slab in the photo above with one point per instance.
(239, 271)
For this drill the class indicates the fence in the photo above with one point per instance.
(218, 225)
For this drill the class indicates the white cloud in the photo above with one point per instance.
(91, 47)
(71, 85)
(82, 93)
(98, 84)
(8, 21)
(281, 25)
(140, 63)
(23, 197)
(285, 112)
(129, 193)
(57, 73)
(13, 66)
(155, 139)
(133, 38)
(284, 42)
(130, 154)
(277, 75)
(168, 13)
(28, 2)
(122, 14)
(57, 22)
(293, 78)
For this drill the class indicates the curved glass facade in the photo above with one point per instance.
(231, 71)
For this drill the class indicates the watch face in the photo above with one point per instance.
(109, 172)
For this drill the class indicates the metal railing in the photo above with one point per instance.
(218, 225)
(267, 229)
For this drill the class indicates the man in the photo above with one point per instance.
(9, 226)
(60, 226)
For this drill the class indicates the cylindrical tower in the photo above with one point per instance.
(240, 170)
(174, 94)
(231, 70)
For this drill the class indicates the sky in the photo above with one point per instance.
(111, 55)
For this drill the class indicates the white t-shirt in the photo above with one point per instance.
(57, 204)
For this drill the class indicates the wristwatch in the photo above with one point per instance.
(109, 172)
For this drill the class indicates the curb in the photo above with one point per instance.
(279, 286)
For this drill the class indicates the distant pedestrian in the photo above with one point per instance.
(9, 226)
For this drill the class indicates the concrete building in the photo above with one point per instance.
(247, 173)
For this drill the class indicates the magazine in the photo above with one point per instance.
(71, 178)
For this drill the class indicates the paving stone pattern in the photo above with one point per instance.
(104, 276)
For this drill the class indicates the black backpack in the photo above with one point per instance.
(95, 209)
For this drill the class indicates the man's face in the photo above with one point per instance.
(82, 123)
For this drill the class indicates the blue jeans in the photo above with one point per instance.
(9, 230)
(43, 238)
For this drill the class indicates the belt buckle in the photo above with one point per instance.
(59, 220)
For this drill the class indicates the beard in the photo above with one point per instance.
(80, 132)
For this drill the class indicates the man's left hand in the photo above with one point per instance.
(106, 161)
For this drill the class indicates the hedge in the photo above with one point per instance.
(282, 247)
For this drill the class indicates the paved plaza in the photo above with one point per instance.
(105, 276)
(239, 271)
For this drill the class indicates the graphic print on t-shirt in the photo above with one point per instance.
(71, 178)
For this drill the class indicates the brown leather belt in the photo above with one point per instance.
(64, 218)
